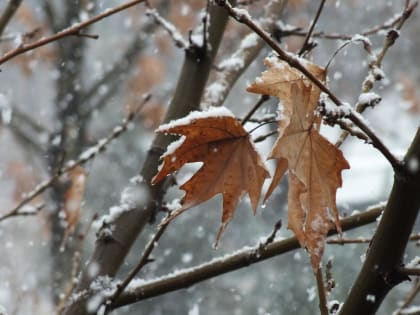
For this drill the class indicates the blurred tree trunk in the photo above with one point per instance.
(66, 143)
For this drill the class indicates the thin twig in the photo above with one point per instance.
(322, 295)
(176, 36)
(295, 63)
(263, 137)
(307, 46)
(363, 240)
(368, 83)
(258, 104)
(270, 239)
(71, 31)
(145, 258)
(410, 271)
(76, 265)
(84, 157)
(393, 22)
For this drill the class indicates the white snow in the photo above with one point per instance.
(234, 62)
(195, 310)
(134, 196)
(378, 73)
(88, 153)
(369, 98)
(336, 111)
(214, 92)
(370, 298)
(172, 30)
(249, 41)
(413, 165)
(195, 115)
(186, 258)
(333, 303)
(114, 213)
(173, 146)
(175, 204)
(311, 293)
(242, 12)
(414, 263)
(361, 38)
(410, 310)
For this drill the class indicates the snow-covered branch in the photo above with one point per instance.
(143, 289)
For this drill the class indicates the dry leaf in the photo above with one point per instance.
(231, 165)
(314, 164)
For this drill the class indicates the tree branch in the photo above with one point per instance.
(142, 262)
(71, 31)
(218, 266)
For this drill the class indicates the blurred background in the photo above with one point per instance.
(87, 86)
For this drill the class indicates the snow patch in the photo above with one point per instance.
(195, 115)
(249, 41)
(361, 38)
(173, 146)
(370, 98)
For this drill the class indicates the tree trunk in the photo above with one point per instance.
(380, 271)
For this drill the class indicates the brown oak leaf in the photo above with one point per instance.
(314, 164)
(231, 165)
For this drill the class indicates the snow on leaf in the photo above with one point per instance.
(314, 164)
(231, 165)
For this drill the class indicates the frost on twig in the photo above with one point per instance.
(176, 36)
